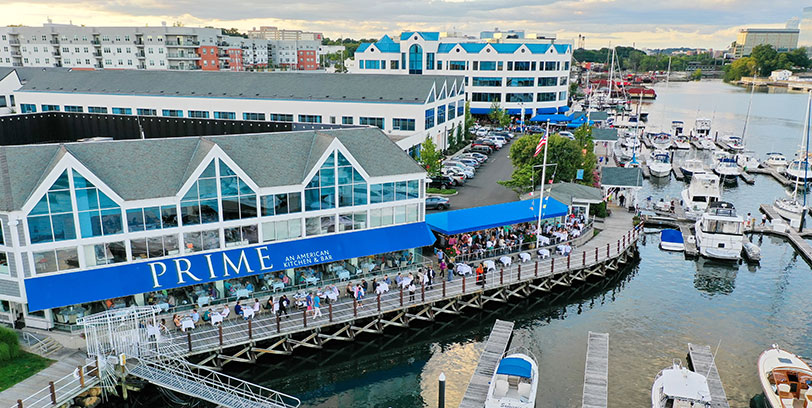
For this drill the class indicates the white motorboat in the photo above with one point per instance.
(703, 190)
(785, 379)
(514, 384)
(733, 143)
(692, 166)
(659, 163)
(790, 209)
(705, 144)
(671, 240)
(677, 127)
(776, 160)
(727, 168)
(702, 128)
(660, 141)
(682, 142)
(719, 232)
(747, 160)
(679, 387)
(799, 171)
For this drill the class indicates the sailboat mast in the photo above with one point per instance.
(804, 135)
(806, 152)
(749, 105)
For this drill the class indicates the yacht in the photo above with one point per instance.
(790, 209)
(692, 166)
(679, 387)
(799, 171)
(660, 140)
(677, 127)
(719, 232)
(747, 160)
(727, 168)
(734, 143)
(702, 128)
(659, 163)
(776, 160)
(705, 144)
(703, 190)
(682, 142)
(785, 379)
(514, 383)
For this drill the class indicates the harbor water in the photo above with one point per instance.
(651, 310)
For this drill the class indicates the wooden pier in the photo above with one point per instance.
(794, 237)
(701, 361)
(690, 244)
(771, 172)
(498, 340)
(646, 171)
(677, 172)
(747, 177)
(596, 371)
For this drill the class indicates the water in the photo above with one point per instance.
(651, 310)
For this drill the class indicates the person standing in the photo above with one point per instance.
(316, 307)
(359, 295)
(309, 303)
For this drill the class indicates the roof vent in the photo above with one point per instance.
(162, 91)
(363, 97)
(193, 92)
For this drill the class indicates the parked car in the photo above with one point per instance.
(507, 135)
(566, 134)
(436, 202)
(466, 171)
(481, 149)
(458, 177)
(441, 182)
(487, 143)
(467, 161)
(479, 159)
(459, 164)
(482, 157)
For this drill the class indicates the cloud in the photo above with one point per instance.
(646, 23)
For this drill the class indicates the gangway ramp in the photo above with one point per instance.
(596, 371)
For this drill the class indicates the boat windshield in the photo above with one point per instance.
(722, 227)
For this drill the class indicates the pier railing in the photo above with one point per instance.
(63, 389)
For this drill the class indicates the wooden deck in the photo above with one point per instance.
(690, 245)
(701, 359)
(771, 172)
(677, 172)
(495, 348)
(596, 371)
(747, 177)
(794, 237)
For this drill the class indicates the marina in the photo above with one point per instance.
(495, 348)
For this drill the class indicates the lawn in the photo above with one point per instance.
(20, 368)
(432, 190)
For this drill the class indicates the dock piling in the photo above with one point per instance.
(441, 391)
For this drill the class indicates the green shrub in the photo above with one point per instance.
(598, 210)
(4, 352)
(8, 336)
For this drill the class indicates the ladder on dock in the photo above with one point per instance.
(477, 391)
(702, 363)
(596, 371)
(202, 383)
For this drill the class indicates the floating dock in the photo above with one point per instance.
(677, 172)
(772, 172)
(747, 177)
(646, 171)
(701, 360)
(790, 233)
(690, 244)
(495, 348)
(596, 371)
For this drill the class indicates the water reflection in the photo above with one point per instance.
(714, 277)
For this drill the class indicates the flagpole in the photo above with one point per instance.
(543, 181)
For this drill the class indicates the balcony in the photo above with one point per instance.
(140, 54)
(14, 42)
(185, 56)
(55, 42)
(15, 53)
(183, 44)
(96, 42)
(138, 42)
(97, 54)
(98, 66)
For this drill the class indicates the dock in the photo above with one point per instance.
(596, 371)
(790, 233)
(495, 348)
(690, 244)
(701, 361)
(771, 172)
(747, 177)
(646, 171)
(677, 172)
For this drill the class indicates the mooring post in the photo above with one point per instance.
(607, 250)
(401, 295)
(463, 284)
(596, 254)
(330, 311)
(569, 255)
(220, 333)
(53, 391)
(441, 392)
(304, 317)
(250, 330)
(19, 403)
(552, 266)
(189, 340)
(519, 272)
(537, 269)
(501, 276)
(444, 286)
(81, 377)
(618, 246)
(584, 260)
(379, 302)
(422, 292)
(354, 307)
(278, 320)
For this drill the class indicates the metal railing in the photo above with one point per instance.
(34, 342)
(63, 389)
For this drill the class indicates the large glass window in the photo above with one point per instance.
(240, 236)
(253, 116)
(546, 97)
(429, 118)
(352, 188)
(28, 108)
(402, 124)
(105, 254)
(441, 114)
(98, 214)
(52, 218)
(371, 121)
(429, 60)
(152, 218)
(521, 66)
(154, 247)
(74, 109)
(199, 205)
(310, 118)
(519, 97)
(549, 66)
(201, 240)
(282, 230)
(320, 191)
(122, 111)
(281, 204)
(320, 225)
(198, 114)
(456, 65)
(4, 268)
(401, 190)
(56, 260)
(352, 221)
(520, 82)
(237, 198)
(460, 107)
(415, 59)
(485, 97)
(282, 117)
(487, 81)
(50, 108)
(173, 113)
(452, 112)
(225, 115)
(487, 65)
(548, 81)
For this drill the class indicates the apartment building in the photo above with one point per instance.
(275, 34)
(529, 75)
(782, 39)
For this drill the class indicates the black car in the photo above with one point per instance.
(442, 182)
(479, 149)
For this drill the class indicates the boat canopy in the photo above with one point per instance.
(671, 236)
(515, 366)
(682, 383)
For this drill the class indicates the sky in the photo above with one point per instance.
(643, 23)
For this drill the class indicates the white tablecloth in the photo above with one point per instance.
(203, 301)
(382, 288)
(524, 256)
(247, 312)
(343, 275)
(463, 269)
(164, 306)
(153, 331)
(544, 240)
(216, 318)
(312, 280)
(560, 235)
(489, 264)
(243, 293)
(544, 253)
(505, 260)
(187, 324)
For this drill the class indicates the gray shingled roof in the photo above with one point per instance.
(604, 135)
(621, 176)
(154, 168)
(569, 192)
(255, 85)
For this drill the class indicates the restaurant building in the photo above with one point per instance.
(185, 221)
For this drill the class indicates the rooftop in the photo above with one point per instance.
(621, 177)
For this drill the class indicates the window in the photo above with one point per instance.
(105, 253)
(320, 225)
(562, 96)
(152, 218)
(548, 81)
(520, 82)
(562, 81)
(546, 96)
(146, 112)
(253, 116)
(50, 108)
(387, 192)
(238, 199)
(225, 115)
(549, 66)
(281, 230)
(519, 97)
(174, 113)
(98, 214)
(372, 64)
(521, 66)
(429, 118)
(201, 241)
(122, 111)
(75, 109)
(346, 120)
(352, 221)
(441, 114)
(320, 191)
(429, 60)
(310, 118)
(451, 111)
(199, 205)
(198, 114)
(96, 109)
(402, 124)
(566, 65)
(461, 107)
(487, 81)
(371, 121)
(485, 97)
(352, 188)
(415, 59)
(393, 64)
(456, 65)
(56, 260)
(281, 204)
(240, 236)
(28, 108)
(282, 117)
(52, 218)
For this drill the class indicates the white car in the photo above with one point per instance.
(566, 134)
(458, 177)
(479, 159)
(469, 171)
(498, 142)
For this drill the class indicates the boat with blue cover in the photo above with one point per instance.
(515, 383)
(671, 240)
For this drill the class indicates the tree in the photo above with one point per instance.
(696, 75)
(430, 157)
(739, 68)
(234, 32)
(469, 120)
(459, 140)
(498, 115)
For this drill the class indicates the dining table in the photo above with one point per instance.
(187, 323)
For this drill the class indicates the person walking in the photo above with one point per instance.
(283, 306)
(359, 295)
(309, 303)
(316, 307)
(412, 289)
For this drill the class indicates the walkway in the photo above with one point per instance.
(703, 363)
(34, 390)
(498, 340)
(596, 371)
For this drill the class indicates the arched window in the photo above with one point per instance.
(415, 59)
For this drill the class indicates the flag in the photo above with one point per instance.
(542, 142)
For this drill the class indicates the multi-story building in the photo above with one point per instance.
(275, 34)
(193, 221)
(532, 75)
(782, 39)
(408, 109)
(805, 36)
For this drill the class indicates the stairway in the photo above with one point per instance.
(38, 343)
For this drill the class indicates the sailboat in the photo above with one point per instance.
(791, 208)
(735, 143)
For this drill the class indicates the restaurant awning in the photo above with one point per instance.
(541, 111)
(491, 216)
(553, 118)
(480, 111)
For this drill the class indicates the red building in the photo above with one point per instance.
(209, 60)
(306, 60)
(235, 62)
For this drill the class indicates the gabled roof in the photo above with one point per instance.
(562, 48)
(506, 48)
(538, 48)
(240, 85)
(363, 47)
(445, 48)
(385, 44)
(473, 47)
(155, 168)
(621, 177)
(568, 193)
(427, 35)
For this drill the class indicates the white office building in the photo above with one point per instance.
(531, 75)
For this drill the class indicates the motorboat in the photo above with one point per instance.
(692, 166)
(705, 144)
(703, 190)
(799, 171)
(747, 160)
(659, 163)
(679, 387)
(671, 240)
(660, 141)
(677, 127)
(702, 128)
(727, 168)
(514, 384)
(751, 251)
(719, 232)
(776, 160)
(630, 140)
(682, 142)
(734, 143)
(785, 379)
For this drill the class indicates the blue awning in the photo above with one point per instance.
(553, 118)
(49, 291)
(518, 111)
(671, 235)
(480, 111)
(541, 111)
(563, 109)
(490, 216)
(515, 366)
